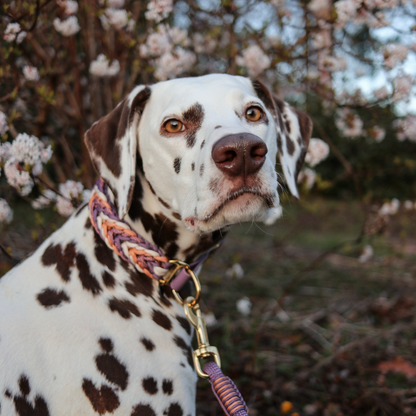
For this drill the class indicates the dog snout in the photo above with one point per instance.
(239, 154)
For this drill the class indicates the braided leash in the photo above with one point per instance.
(150, 260)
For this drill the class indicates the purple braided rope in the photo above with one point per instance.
(234, 398)
(117, 235)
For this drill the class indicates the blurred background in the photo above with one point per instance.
(315, 314)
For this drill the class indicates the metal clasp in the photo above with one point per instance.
(204, 350)
(178, 264)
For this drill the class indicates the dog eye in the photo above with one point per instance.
(254, 114)
(173, 126)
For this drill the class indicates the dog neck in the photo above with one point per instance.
(154, 220)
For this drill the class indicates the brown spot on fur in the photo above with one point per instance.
(202, 144)
(177, 164)
(193, 117)
(193, 166)
(148, 344)
(186, 349)
(201, 170)
(161, 319)
(88, 281)
(124, 308)
(214, 185)
(151, 188)
(165, 204)
(63, 261)
(106, 344)
(217, 127)
(184, 324)
(24, 386)
(150, 385)
(139, 283)
(290, 145)
(50, 298)
(112, 370)
(103, 400)
(143, 410)
(108, 279)
(174, 410)
(103, 253)
(167, 387)
(88, 224)
(176, 215)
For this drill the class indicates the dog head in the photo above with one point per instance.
(206, 146)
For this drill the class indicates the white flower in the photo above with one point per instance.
(409, 205)
(31, 73)
(244, 306)
(114, 17)
(29, 150)
(318, 151)
(210, 319)
(366, 254)
(235, 271)
(6, 213)
(390, 208)
(101, 68)
(11, 31)
(349, 123)
(66, 27)
(17, 177)
(254, 59)
(71, 7)
(48, 196)
(71, 189)
(64, 207)
(378, 134)
(3, 124)
(170, 65)
(394, 53)
(308, 177)
(157, 43)
(158, 10)
(406, 128)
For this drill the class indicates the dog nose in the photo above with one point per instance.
(239, 154)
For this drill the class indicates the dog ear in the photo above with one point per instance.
(294, 129)
(112, 144)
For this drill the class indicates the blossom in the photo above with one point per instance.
(254, 59)
(244, 306)
(30, 151)
(366, 254)
(3, 124)
(333, 63)
(11, 31)
(48, 196)
(394, 53)
(71, 6)
(381, 93)
(114, 17)
(170, 65)
(158, 10)
(308, 177)
(406, 128)
(66, 27)
(377, 133)
(403, 84)
(101, 68)
(409, 205)
(203, 44)
(17, 177)
(31, 73)
(71, 192)
(318, 150)
(349, 123)
(320, 8)
(346, 11)
(6, 213)
(235, 271)
(390, 208)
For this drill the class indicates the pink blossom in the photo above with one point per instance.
(254, 59)
(6, 213)
(66, 27)
(31, 73)
(318, 151)
(70, 191)
(3, 124)
(308, 177)
(406, 128)
(403, 85)
(170, 65)
(377, 133)
(158, 10)
(48, 196)
(203, 44)
(349, 123)
(381, 93)
(71, 6)
(13, 30)
(101, 67)
(17, 177)
(394, 53)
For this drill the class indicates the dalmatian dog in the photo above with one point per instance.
(81, 331)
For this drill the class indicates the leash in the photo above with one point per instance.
(147, 258)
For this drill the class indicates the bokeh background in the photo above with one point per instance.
(315, 314)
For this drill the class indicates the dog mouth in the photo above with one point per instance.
(232, 196)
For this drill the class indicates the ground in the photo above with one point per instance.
(327, 333)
